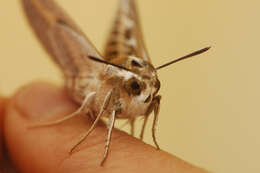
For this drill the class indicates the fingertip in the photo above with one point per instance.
(39, 100)
(47, 149)
(3, 102)
(31, 150)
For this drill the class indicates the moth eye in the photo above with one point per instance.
(136, 64)
(135, 85)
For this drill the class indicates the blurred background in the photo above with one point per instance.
(210, 105)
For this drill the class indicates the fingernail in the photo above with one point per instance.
(40, 100)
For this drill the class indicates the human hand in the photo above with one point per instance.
(46, 149)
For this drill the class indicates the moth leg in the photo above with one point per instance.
(77, 112)
(143, 127)
(103, 108)
(132, 126)
(146, 116)
(155, 120)
(110, 127)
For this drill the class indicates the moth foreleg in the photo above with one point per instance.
(143, 127)
(110, 127)
(102, 110)
(132, 126)
(146, 116)
(77, 112)
(155, 120)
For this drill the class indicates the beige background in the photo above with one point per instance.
(210, 108)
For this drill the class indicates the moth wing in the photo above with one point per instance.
(61, 38)
(126, 36)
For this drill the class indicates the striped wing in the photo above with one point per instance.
(126, 37)
(60, 36)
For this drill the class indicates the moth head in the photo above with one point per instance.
(145, 84)
(139, 78)
(143, 89)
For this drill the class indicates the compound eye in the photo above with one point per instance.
(135, 88)
(135, 85)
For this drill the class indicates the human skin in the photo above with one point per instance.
(45, 149)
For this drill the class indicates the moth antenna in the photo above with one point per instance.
(185, 57)
(109, 63)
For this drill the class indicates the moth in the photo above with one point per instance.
(122, 83)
